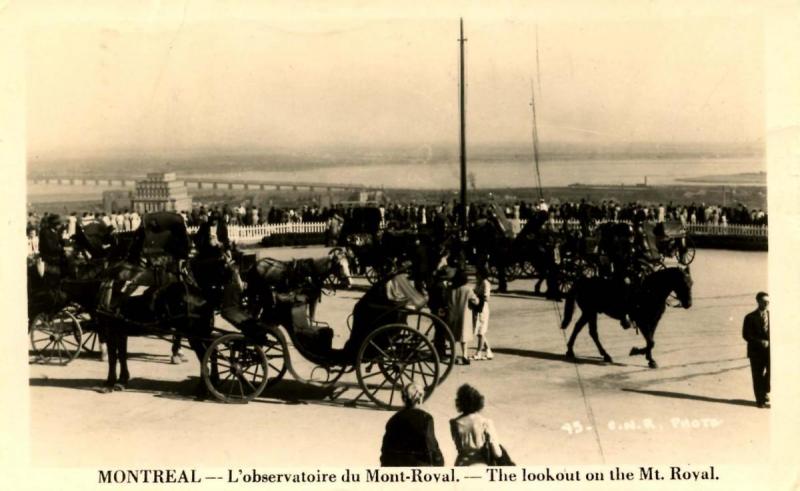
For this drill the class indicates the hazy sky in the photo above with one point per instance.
(188, 75)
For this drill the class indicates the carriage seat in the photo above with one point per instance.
(314, 336)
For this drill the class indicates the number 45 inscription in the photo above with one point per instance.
(575, 427)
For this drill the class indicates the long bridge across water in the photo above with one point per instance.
(202, 183)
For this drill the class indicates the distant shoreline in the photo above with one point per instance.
(745, 178)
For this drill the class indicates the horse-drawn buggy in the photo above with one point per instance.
(360, 236)
(62, 293)
(388, 346)
(673, 241)
(378, 249)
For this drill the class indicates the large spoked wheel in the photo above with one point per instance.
(91, 340)
(686, 251)
(527, 269)
(438, 332)
(330, 284)
(566, 281)
(515, 270)
(276, 351)
(235, 369)
(392, 356)
(55, 340)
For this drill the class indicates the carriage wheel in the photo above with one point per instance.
(330, 284)
(394, 355)
(566, 280)
(686, 251)
(276, 351)
(90, 341)
(588, 269)
(438, 332)
(527, 269)
(56, 340)
(235, 369)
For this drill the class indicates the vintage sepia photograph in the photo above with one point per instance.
(452, 245)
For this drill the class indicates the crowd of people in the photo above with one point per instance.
(421, 214)
(402, 215)
(694, 213)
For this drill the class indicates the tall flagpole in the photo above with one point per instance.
(462, 92)
(535, 142)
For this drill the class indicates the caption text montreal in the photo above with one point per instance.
(174, 476)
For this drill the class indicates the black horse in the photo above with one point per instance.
(490, 246)
(599, 295)
(306, 276)
(139, 301)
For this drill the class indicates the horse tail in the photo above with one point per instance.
(569, 308)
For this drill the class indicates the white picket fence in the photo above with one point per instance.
(729, 230)
(693, 228)
(253, 234)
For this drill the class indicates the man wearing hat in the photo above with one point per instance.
(51, 247)
(410, 440)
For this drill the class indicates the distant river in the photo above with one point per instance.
(498, 174)
(445, 175)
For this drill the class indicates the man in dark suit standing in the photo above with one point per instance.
(756, 332)
(410, 440)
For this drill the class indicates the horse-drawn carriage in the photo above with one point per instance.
(672, 240)
(389, 345)
(378, 251)
(61, 295)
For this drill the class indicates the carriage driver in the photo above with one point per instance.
(211, 239)
(51, 249)
(377, 305)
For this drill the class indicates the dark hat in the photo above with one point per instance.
(460, 278)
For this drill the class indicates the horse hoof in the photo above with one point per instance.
(634, 352)
(118, 387)
(570, 355)
(607, 359)
(652, 364)
(106, 389)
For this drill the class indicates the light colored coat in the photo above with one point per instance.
(460, 319)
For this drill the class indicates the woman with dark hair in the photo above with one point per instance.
(471, 430)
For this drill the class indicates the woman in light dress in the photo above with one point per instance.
(481, 315)
(471, 430)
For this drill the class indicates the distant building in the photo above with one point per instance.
(160, 191)
(368, 197)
